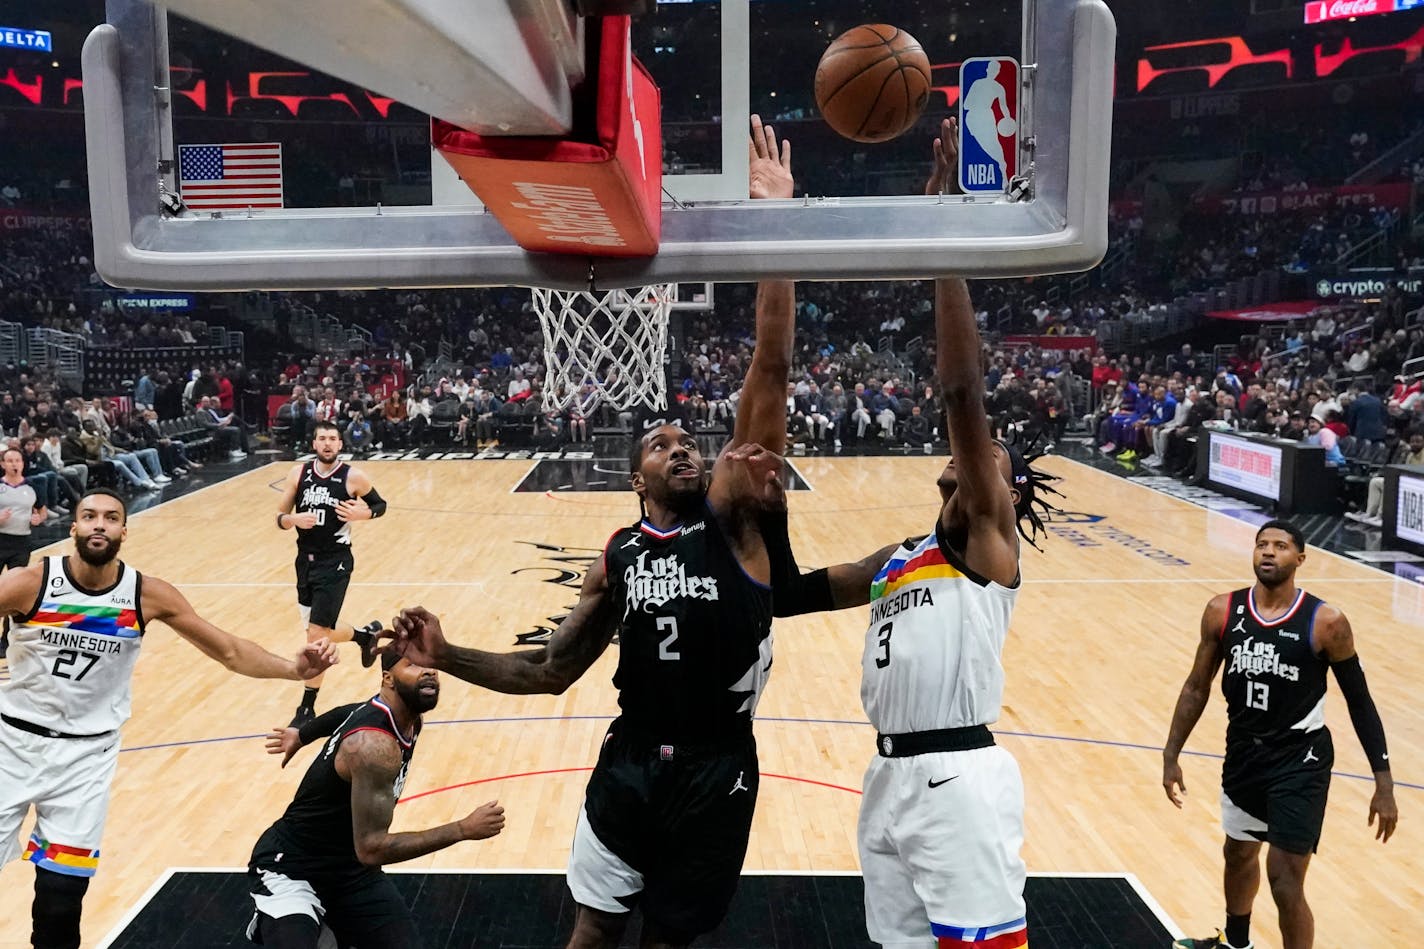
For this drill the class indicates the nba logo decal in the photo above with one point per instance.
(988, 124)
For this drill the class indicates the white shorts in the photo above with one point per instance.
(939, 837)
(67, 780)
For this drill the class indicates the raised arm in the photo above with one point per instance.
(1336, 641)
(793, 592)
(371, 761)
(1191, 702)
(163, 602)
(578, 642)
(761, 414)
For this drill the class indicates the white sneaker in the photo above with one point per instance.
(161, 479)
(236, 455)
(1151, 461)
(1375, 521)
(1359, 516)
(148, 485)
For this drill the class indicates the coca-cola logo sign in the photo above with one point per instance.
(1319, 11)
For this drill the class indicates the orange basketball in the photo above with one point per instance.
(873, 82)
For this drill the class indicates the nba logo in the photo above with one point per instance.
(988, 124)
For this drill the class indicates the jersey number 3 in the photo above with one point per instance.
(883, 660)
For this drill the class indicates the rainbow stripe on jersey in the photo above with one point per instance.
(86, 618)
(925, 562)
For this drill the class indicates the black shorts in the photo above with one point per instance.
(322, 580)
(360, 906)
(1275, 790)
(14, 552)
(665, 828)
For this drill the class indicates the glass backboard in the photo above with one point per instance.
(365, 202)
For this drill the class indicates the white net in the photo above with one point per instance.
(614, 340)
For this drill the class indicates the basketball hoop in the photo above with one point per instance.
(616, 340)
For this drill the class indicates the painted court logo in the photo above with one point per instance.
(988, 124)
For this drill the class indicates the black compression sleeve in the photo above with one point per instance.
(1363, 714)
(375, 502)
(325, 724)
(792, 592)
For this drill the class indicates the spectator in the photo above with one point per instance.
(226, 429)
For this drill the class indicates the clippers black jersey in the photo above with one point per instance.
(1274, 681)
(695, 637)
(320, 496)
(314, 834)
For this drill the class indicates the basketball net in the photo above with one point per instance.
(615, 339)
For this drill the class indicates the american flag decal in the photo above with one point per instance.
(230, 177)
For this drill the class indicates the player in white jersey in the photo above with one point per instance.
(941, 820)
(79, 622)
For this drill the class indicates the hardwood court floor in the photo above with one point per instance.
(1102, 639)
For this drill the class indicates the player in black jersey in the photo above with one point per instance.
(320, 862)
(1277, 642)
(668, 810)
(321, 499)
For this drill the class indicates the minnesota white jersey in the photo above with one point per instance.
(72, 656)
(932, 651)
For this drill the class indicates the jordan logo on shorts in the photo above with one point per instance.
(739, 786)
(1310, 756)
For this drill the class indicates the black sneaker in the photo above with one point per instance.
(365, 637)
(303, 716)
(1215, 942)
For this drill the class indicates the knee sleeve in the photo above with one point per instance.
(55, 913)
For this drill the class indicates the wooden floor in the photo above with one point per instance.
(1101, 641)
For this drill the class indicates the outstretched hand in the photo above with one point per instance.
(762, 468)
(414, 635)
(315, 658)
(284, 742)
(944, 179)
(769, 170)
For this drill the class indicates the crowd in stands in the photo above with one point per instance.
(1347, 380)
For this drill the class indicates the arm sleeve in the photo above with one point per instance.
(792, 592)
(375, 502)
(1363, 714)
(325, 724)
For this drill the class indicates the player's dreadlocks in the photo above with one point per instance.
(1032, 486)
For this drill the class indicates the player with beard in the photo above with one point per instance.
(1278, 642)
(321, 861)
(79, 623)
(941, 818)
(668, 810)
(321, 499)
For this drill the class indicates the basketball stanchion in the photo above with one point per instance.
(615, 339)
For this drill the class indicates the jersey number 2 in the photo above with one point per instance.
(883, 660)
(1258, 695)
(70, 658)
(665, 650)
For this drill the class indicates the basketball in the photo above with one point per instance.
(1007, 126)
(873, 82)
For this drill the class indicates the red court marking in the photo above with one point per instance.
(536, 774)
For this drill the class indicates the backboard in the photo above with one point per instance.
(367, 205)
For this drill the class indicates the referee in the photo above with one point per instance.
(20, 510)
